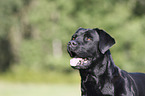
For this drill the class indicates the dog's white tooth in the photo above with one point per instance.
(85, 61)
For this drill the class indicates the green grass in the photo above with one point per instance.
(36, 83)
(23, 76)
(26, 89)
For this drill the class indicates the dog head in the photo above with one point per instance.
(86, 45)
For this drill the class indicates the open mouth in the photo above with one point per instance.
(78, 61)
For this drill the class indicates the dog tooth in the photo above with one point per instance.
(85, 59)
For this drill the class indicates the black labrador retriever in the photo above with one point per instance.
(99, 75)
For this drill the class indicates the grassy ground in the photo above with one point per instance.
(18, 89)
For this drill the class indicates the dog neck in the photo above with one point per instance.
(100, 76)
(100, 71)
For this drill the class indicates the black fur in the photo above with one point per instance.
(100, 76)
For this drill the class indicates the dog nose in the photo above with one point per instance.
(72, 43)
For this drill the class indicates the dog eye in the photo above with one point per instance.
(74, 37)
(88, 39)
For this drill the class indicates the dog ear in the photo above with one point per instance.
(105, 42)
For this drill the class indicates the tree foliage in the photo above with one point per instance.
(28, 28)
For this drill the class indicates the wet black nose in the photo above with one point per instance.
(73, 43)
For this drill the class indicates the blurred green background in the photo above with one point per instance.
(34, 36)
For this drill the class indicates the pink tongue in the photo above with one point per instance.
(75, 61)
